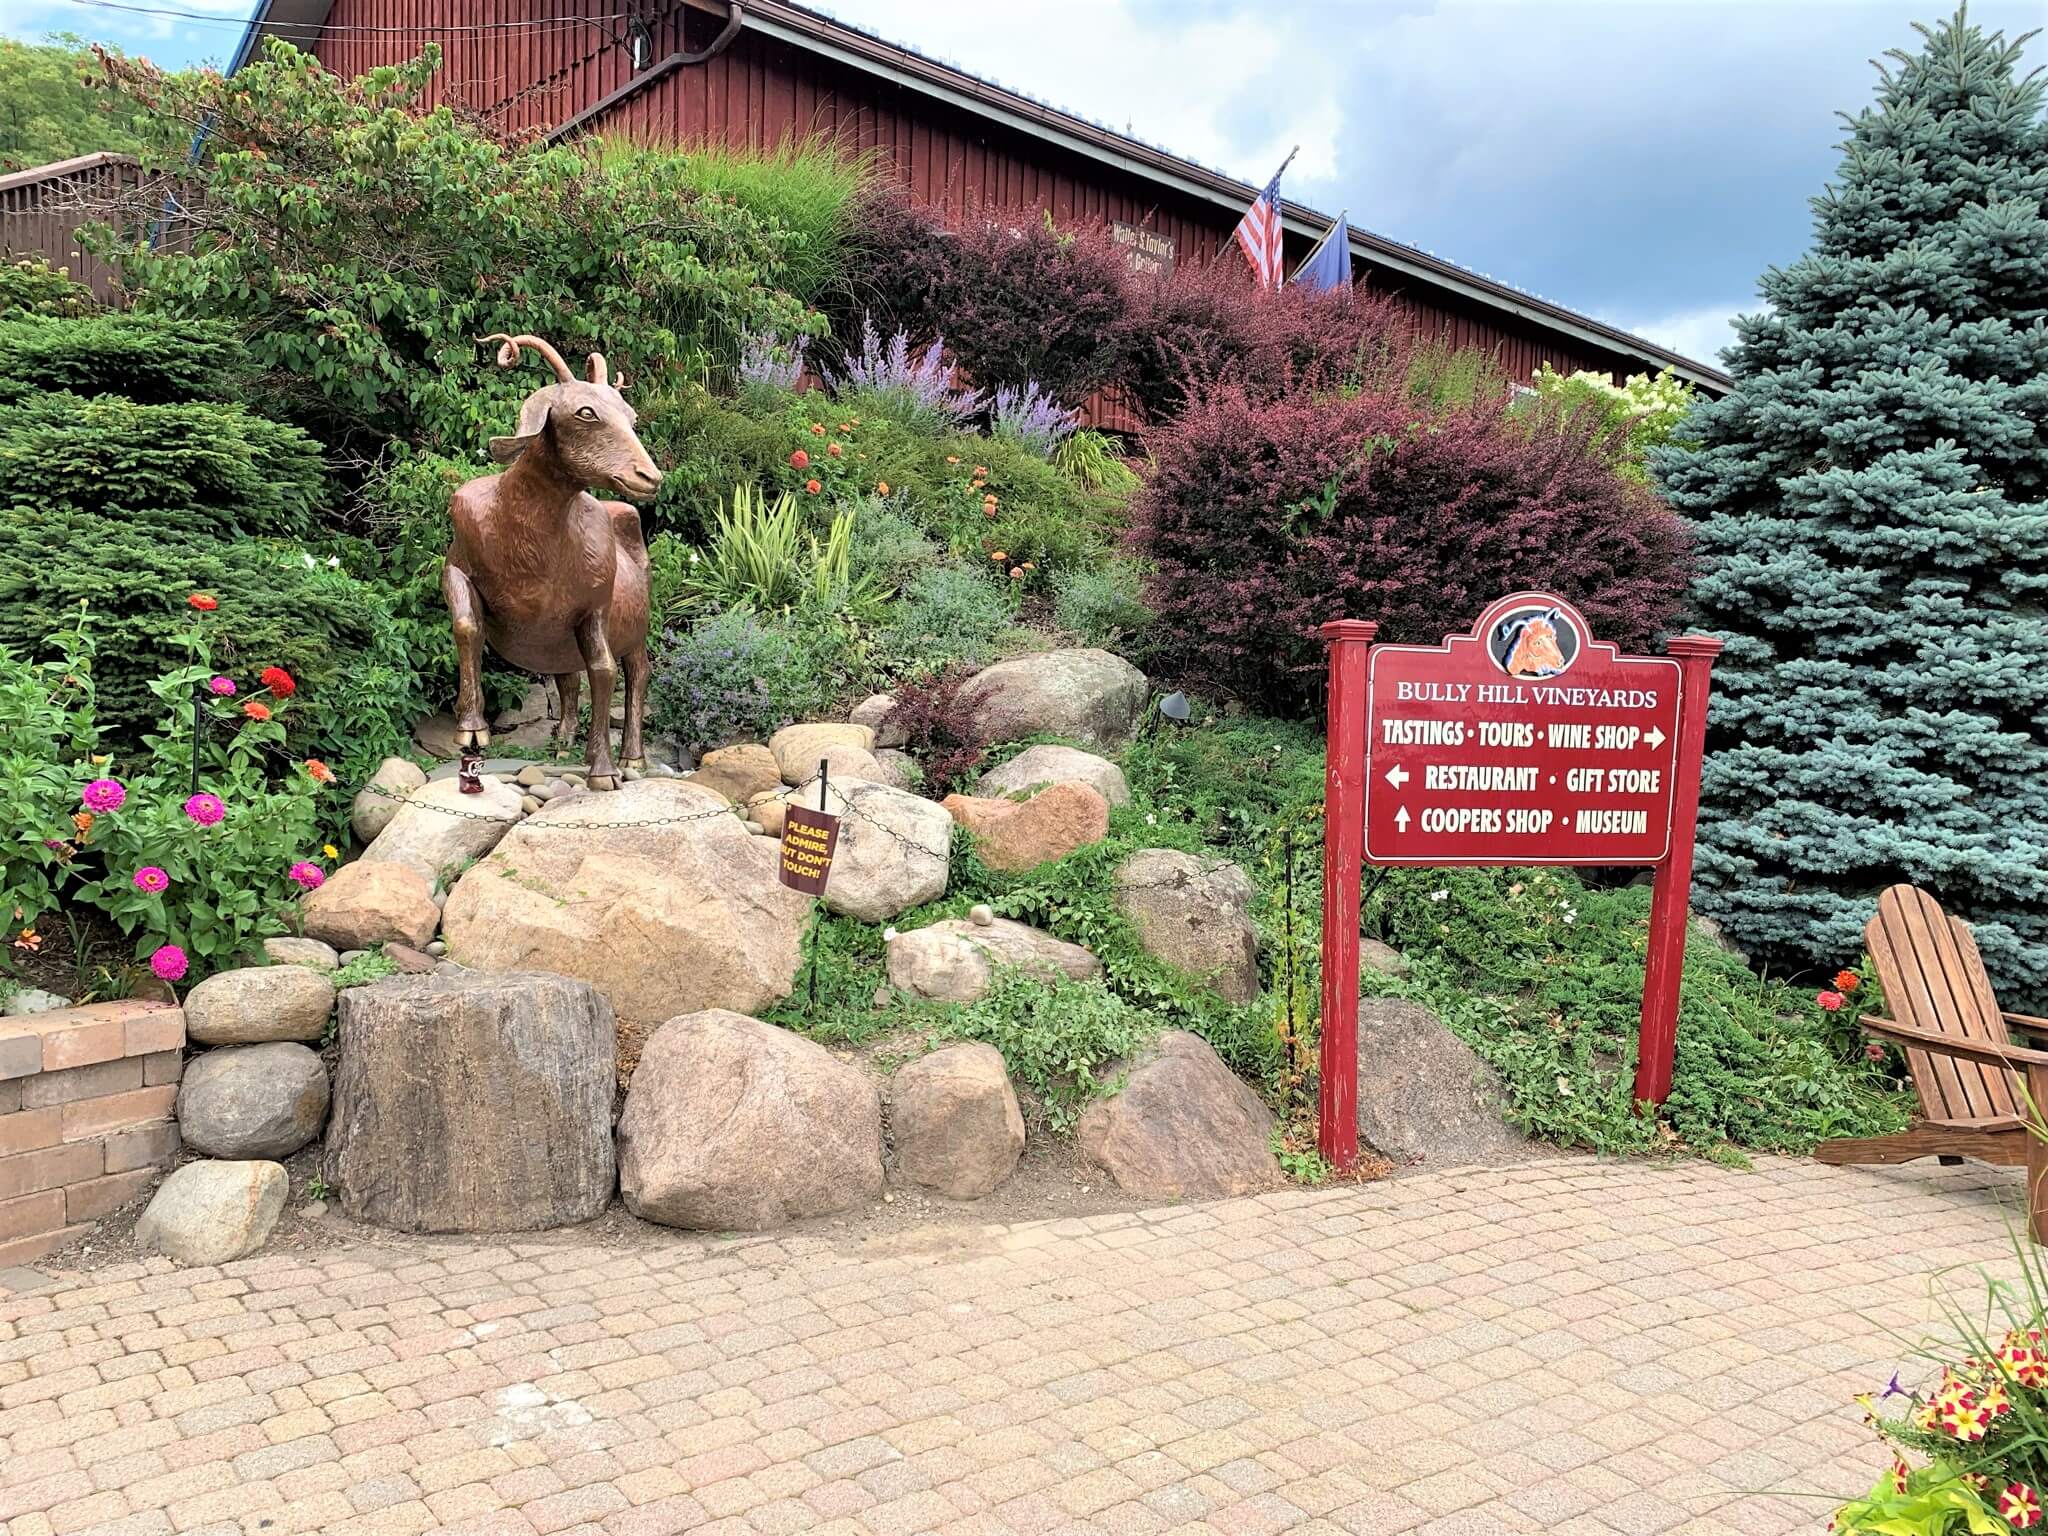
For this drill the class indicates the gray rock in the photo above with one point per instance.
(955, 960)
(378, 800)
(734, 1125)
(797, 748)
(1036, 767)
(1384, 958)
(981, 914)
(310, 953)
(438, 948)
(530, 722)
(954, 1122)
(1423, 1094)
(1086, 695)
(258, 1004)
(435, 735)
(32, 1000)
(439, 829)
(1184, 1126)
(214, 1212)
(532, 775)
(894, 850)
(252, 1101)
(351, 956)
(873, 712)
(474, 1103)
(900, 769)
(1195, 915)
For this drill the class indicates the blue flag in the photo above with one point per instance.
(1329, 264)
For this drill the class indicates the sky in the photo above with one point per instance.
(1642, 161)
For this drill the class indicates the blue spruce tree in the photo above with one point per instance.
(1873, 538)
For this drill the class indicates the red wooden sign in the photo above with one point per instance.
(1526, 741)
(809, 839)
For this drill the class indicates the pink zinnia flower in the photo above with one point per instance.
(104, 795)
(1830, 1002)
(224, 686)
(150, 878)
(169, 963)
(205, 809)
(307, 875)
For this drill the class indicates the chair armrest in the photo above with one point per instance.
(2025, 1025)
(1985, 1052)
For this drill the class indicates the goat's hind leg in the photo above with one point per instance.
(632, 753)
(569, 694)
(466, 609)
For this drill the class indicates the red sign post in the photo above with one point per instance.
(1526, 741)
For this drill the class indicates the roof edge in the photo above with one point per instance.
(56, 168)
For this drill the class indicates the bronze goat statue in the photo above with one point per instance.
(552, 578)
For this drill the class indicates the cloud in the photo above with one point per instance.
(1698, 333)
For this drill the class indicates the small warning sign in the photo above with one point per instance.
(808, 840)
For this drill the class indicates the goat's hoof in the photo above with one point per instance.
(603, 781)
(478, 738)
(634, 762)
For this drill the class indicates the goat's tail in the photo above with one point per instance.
(508, 354)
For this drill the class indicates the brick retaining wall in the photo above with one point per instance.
(86, 1103)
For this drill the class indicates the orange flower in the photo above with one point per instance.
(83, 821)
(256, 711)
(952, 458)
(1016, 573)
(817, 429)
(835, 450)
(999, 557)
(981, 469)
(1029, 566)
(1847, 981)
(813, 487)
(29, 940)
(319, 771)
(881, 487)
(205, 602)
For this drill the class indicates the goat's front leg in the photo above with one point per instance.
(466, 609)
(596, 647)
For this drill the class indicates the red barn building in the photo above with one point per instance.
(755, 72)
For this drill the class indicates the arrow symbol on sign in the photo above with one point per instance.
(1397, 775)
(1655, 738)
(1401, 819)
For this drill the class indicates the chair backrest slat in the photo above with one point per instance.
(1934, 979)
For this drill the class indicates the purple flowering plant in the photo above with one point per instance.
(1031, 418)
(886, 378)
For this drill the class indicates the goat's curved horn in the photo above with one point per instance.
(596, 370)
(508, 354)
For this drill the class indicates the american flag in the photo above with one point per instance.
(1258, 232)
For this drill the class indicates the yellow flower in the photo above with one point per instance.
(331, 851)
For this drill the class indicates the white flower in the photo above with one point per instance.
(1564, 1086)
(1439, 895)
(307, 558)
(693, 557)
(888, 935)
(334, 562)
(1151, 820)
(1571, 915)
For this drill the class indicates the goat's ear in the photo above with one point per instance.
(533, 420)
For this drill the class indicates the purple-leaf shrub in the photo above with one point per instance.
(1030, 418)
(920, 385)
(1268, 517)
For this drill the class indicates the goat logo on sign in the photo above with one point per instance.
(1536, 641)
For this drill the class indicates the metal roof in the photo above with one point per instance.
(812, 31)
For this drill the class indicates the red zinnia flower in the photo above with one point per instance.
(322, 774)
(279, 682)
(1830, 1002)
(205, 602)
(256, 711)
(834, 449)
(813, 487)
(799, 460)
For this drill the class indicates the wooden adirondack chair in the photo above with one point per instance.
(1959, 1049)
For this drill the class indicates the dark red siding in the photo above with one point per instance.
(760, 91)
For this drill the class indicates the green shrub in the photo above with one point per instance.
(360, 243)
(705, 446)
(1091, 460)
(1643, 412)
(736, 677)
(150, 359)
(29, 285)
(1055, 1037)
(1100, 606)
(760, 556)
(946, 615)
(893, 549)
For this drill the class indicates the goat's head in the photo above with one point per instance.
(585, 424)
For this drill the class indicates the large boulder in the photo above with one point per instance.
(1424, 1094)
(875, 713)
(738, 773)
(733, 1125)
(955, 961)
(378, 800)
(214, 1212)
(1184, 1126)
(474, 1103)
(252, 1101)
(1086, 695)
(1023, 834)
(798, 748)
(954, 1121)
(439, 829)
(1195, 915)
(1036, 767)
(363, 904)
(529, 723)
(656, 894)
(894, 851)
(260, 1003)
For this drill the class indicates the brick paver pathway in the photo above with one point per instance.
(1573, 1347)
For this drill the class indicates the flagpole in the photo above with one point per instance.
(1336, 224)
